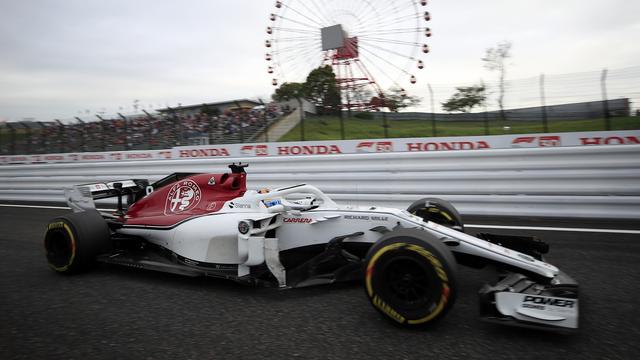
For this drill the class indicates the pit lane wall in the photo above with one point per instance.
(588, 175)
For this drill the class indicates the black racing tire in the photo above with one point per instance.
(438, 211)
(73, 241)
(410, 278)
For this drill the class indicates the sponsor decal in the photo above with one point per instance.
(388, 310)
(365, 217)
(309, 150)
(211, 206)
(212, 181)
(374, 146)
(538, 302)
(536, 141)
(297, 220)
(139, 156)
(183, 196)
(55, 225)
(611, 140)
(222, 267)
(99, 187)
(210, 152)
(262, 150)
(257, 150)
(165, 154)
(91, 157)
(236, 205)
(447, 145)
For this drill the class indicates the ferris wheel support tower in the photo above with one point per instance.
(353, 79)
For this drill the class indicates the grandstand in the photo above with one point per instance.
(213, 123)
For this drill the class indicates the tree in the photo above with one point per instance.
(494, 60)
(321, 89)
(396, 99)
(466, 98)
(288, 91)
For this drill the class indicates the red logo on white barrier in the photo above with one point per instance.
(257, 150)
(448, 145)
(165, 154)
(309, 150)
(195, 153)
(536, 141)
(611, 140)
(375, 146)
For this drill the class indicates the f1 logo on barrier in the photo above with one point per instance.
(536, 141)
(374, 146)
(257, 150)
(165, 154)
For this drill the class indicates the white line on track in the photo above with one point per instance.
(479, 226)
(35, 206)
(45, 207)
(545, 228)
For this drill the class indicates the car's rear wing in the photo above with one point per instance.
(80, 197)
(104, 190)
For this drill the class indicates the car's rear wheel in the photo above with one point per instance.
(73, 241)
(410, 277)
(438, 211)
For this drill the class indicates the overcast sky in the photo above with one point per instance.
(62, 57)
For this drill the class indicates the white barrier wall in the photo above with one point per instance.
(580, 181)
(335, 147)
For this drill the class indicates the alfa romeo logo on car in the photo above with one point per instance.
(183, 195)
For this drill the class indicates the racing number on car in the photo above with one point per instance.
(183, 195)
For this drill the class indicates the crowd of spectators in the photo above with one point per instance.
(139, 132)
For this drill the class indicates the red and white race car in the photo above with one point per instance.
(211, 225)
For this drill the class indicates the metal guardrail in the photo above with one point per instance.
(591, 182)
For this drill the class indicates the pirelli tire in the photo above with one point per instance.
(73, 241)
(438, 211)
(410, 278)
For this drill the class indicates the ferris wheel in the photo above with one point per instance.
(371, 45)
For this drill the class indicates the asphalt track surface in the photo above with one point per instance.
(120, 313)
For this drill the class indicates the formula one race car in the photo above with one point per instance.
(211, 225)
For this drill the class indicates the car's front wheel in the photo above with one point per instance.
(410, 277)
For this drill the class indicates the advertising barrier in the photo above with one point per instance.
(556, 181)
(335, 147)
